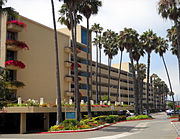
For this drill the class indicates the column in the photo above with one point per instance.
(46, 121)
(23, 123)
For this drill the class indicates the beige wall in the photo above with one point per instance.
(39, 75)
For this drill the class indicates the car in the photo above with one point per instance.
(128, 113)
(169, 112)
(145, 112)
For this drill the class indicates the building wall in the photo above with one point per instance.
(39, 75)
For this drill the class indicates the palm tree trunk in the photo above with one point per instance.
(147, 93)
(87, 63)
(141, 96)
(119, 78)
(76, 85)
(109, 72)
(174, 107)
(100, 74)
(135, 83)
(178, 47)
(138, 84)
(59, 109)
(97, 73)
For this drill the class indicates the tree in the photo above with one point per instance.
(161, 49)
(130, 41)
(59, 108)
(72, 7)
(142, 75)
(137, 53)
(149, 42)
(169, 9)
(154, 83)
(121, 48)
(110, 49)
(172, 36)
(88, 8)
(97, 42)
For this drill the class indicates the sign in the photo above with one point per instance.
(70, 115)
(112, 107)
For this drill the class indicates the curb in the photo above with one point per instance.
(173, 118)
(86, 130)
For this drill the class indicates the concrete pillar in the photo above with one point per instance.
(46, 121)
(23, 123)
(3, 32)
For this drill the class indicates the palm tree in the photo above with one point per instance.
(149, 42)
(142, 75)
(130, 40)
(137, 53)
(172, 36)
(110, 49)
(59, 108)
(154, 83)
(161, 49)
(88, 8)
(121, 48)
(72, 7)
(170, 9)
(97, 42)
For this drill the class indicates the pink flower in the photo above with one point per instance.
(17, 23)
(17, 43)
(15, 63)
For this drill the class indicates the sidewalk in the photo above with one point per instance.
(176, 125)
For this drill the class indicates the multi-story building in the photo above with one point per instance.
(39, 73)
(27, 51)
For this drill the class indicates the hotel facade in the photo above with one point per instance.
(27, 50)
(39, 73)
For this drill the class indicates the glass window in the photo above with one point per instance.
(11, 35)
(83, 36)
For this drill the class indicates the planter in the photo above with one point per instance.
(68, 50)
(14, 64)
(68, 79)
(67, 64)
(12, 67)
(13, 48)
(12, 87)
(14, 28)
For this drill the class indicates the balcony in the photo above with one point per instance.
(14, 45)
(14, 85)
(14, 65)
(68, 78)
(68, 50)
(67, 64)
(15, 26)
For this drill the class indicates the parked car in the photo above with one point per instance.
(169, 112)
(128, 113)
(145, 112)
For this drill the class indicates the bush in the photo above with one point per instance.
(138, 117)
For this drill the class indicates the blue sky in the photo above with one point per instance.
(114, 14)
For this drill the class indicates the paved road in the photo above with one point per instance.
(160, 128)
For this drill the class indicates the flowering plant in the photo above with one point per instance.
(17, 43)
(15, 63)
(21, 24)
(72, 66)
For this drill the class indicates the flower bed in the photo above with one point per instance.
(15, 63)
(15, 43)
(87, 123)
(21, 24)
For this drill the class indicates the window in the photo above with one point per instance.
(11, 17)
(83, 36)
(11, 75)
(11, 35)
(11, 55)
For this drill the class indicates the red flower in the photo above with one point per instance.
(21, 24)
(72, 66)
(17, 43)
(15, 63)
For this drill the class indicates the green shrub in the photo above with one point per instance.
(138, 117)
